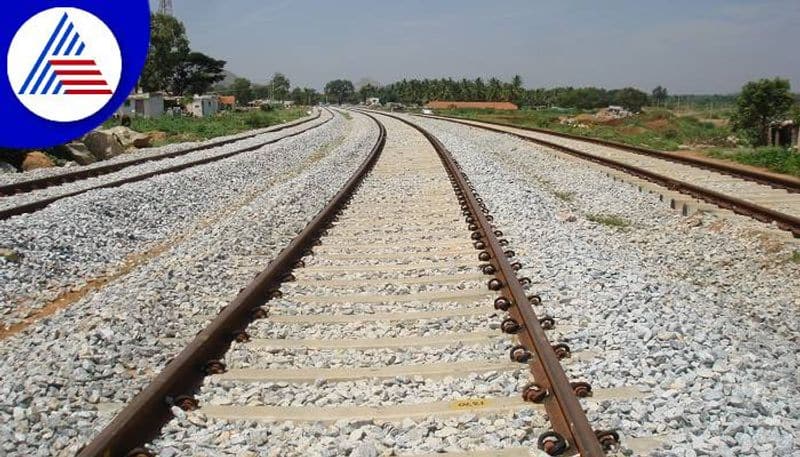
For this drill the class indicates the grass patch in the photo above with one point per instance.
(774, 159)
(180, 129)
(795, 257)
(654, 128)
(565, 196)
(346, 115)
(609, 220)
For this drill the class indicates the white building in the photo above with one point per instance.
(149, 105)
(373, 101)
(203, 106)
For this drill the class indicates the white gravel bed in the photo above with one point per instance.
(154, 153)
(89, 235)
(421, 327)
(198, 436)
(135, 170)
(106, 347)
(367, 392)
(243, 356)
(702, 309)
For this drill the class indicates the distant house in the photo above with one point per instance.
(148, 105)
(227, 102)
(438, 104)
(373, 101)
(203, 106)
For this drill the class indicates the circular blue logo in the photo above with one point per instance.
(69, 66)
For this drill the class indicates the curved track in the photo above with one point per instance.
(31, 185)
(766, 197)
(36, 204)
(405, 243)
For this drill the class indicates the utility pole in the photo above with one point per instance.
(165, 7)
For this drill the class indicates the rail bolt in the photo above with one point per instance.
(581, 389)
(525, 281)
(488, 269)
(470, 220)
(502, 304)
(484, 211)
(510, 254)
(516, 266)
(214, 367)
(258, 313)
(609, 439)
(547, 323)
(299, 264)
(472, 227)
(503, 242)
(477, 199)
(489, 217)
(479, 245)
(484, 256)
(498, 233)
(534, 393)
(510, 326)
(552, 443)
(242, 337)
(140, 452)
(520, 354)
(562, 351)
(186, 403)
(289, 278)
(274, 294)
(535, 300)
(476, 236)
(495, 284)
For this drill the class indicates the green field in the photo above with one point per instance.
(181, 129)
(655, 128)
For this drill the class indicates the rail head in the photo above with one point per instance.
(142, 419)
(572, 432)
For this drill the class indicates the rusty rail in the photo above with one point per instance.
(146, 414)
(50, 181)
(572, 432)
(735, 204)
(45, 202)
(775, 180)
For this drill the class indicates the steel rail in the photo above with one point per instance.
(37, 205)
(735, 204)
(142, 419)
(775, 180)
(561, 403)
(31, 185)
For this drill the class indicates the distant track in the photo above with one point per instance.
(37, 205)
(766, 197)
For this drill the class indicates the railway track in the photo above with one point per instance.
(766, 197)
(24, 197)
(400, 283)
(31, 185)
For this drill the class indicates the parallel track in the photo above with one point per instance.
(368, 224)
(31, 185)
(766, 197)
(36, 205)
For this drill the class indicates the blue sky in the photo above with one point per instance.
(697, 46)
